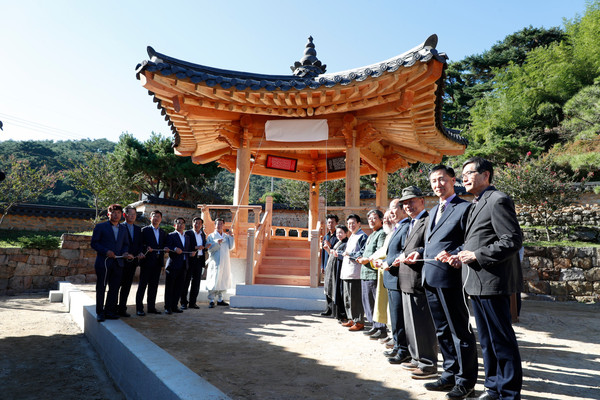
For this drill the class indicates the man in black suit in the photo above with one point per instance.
(420, 331)
(443, 285)
(197, 239)
(153, 239)
(180, 249)
(399, 353)
(135, 248)
(491, 273)
(110, 241)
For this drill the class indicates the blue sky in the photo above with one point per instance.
(67, 67)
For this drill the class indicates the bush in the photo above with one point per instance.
(44, 242)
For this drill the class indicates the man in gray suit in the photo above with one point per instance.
(443, 285)
(420, 331)
(491, 273)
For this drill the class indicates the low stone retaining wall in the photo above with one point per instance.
(26, 270)
(564, 273)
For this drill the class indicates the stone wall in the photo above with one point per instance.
(564, 273)
(26, 270)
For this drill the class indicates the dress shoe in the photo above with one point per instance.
(124, 314)
(211, 305)
(194, 306)
(409, 366)
(399, 358)
(111, 316)
(371, 331)
(222, 303)
(154, 312)
(326, 313)
(167, 311)
(459, 392)
(348, 323)
(484, 396)
(140, 313)
(379, 335)
(100, 317)
(390, 353)
(420, 374)
(184, 307)
(177, 310)
(357, 327)
(441, 385)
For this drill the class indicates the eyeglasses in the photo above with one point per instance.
(466, 174)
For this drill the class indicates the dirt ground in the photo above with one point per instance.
(44, 355)
(278, 354)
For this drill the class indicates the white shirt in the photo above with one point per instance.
(199, 241)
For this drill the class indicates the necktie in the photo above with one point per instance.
(440, 211)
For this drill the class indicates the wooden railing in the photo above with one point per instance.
(258, 240)
(286, 232)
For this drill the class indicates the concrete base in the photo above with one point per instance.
(298, 298)
(55, 296)
(141, 369)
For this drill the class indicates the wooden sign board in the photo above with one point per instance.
(282, 163)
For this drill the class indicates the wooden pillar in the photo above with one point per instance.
(313, 206)
(381, 189)
(352, 177)
(241, 192)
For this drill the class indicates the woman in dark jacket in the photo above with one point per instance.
(333, 283)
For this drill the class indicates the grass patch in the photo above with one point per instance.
(561, 243)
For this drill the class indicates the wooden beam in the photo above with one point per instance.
(203, 158)
(370, 157)
(331, 144)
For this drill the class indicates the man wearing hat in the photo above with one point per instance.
(420, 331)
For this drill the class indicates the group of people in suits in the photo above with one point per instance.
(426, 265)
(122, 247)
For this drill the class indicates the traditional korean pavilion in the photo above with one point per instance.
(311, 125)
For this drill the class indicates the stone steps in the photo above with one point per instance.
(278, 296)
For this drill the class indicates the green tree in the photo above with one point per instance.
(295, 193)
(23, 184)
(415, 175)
(470, 79)
(100, 176)
(161, 171)
(538, 184)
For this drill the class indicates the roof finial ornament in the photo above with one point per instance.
(309, 66)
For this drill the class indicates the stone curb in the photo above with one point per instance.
(140, 368)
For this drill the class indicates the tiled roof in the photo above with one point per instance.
(227, 79)
(41, 210)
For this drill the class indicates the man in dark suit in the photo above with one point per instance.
(111, 242)
(135, 248)
(443, 285)
(420, 331)
(154, 239)
(180, 249)
(491, 271)
(197, 239)
(399, 353)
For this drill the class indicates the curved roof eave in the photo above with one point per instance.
(196, 73)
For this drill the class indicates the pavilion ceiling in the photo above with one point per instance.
(390, 110)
